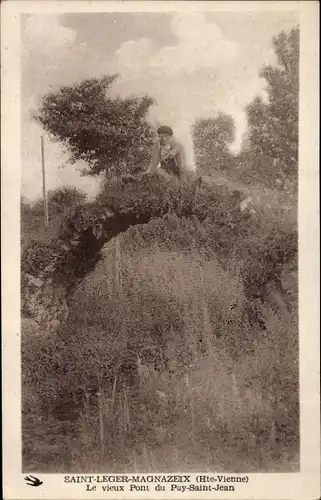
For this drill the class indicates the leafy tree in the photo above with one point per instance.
(111, 135)
(274, 126)
(212, 138)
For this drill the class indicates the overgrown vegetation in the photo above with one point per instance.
(181, 347)
(155, 321)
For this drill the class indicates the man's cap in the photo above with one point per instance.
(165, 130)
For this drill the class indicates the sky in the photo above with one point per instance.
(194, 64)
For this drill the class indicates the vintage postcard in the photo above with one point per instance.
(160, 250)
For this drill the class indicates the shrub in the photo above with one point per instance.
(148, 196)
(63, 198)
(38, 255)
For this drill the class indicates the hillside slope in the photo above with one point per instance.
(179, 347)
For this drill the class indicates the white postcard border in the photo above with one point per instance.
(303, 485)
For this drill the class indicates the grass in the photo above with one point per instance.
(222, 416)
(226, 400)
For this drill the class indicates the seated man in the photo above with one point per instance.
(169, 153)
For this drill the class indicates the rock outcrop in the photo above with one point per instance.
(44, 302)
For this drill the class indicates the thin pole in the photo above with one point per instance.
(45, 201)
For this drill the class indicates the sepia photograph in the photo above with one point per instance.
(161, 302)
(159, 263)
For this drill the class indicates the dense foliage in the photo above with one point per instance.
(111, 135)
(37, 256)
(65, 197)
